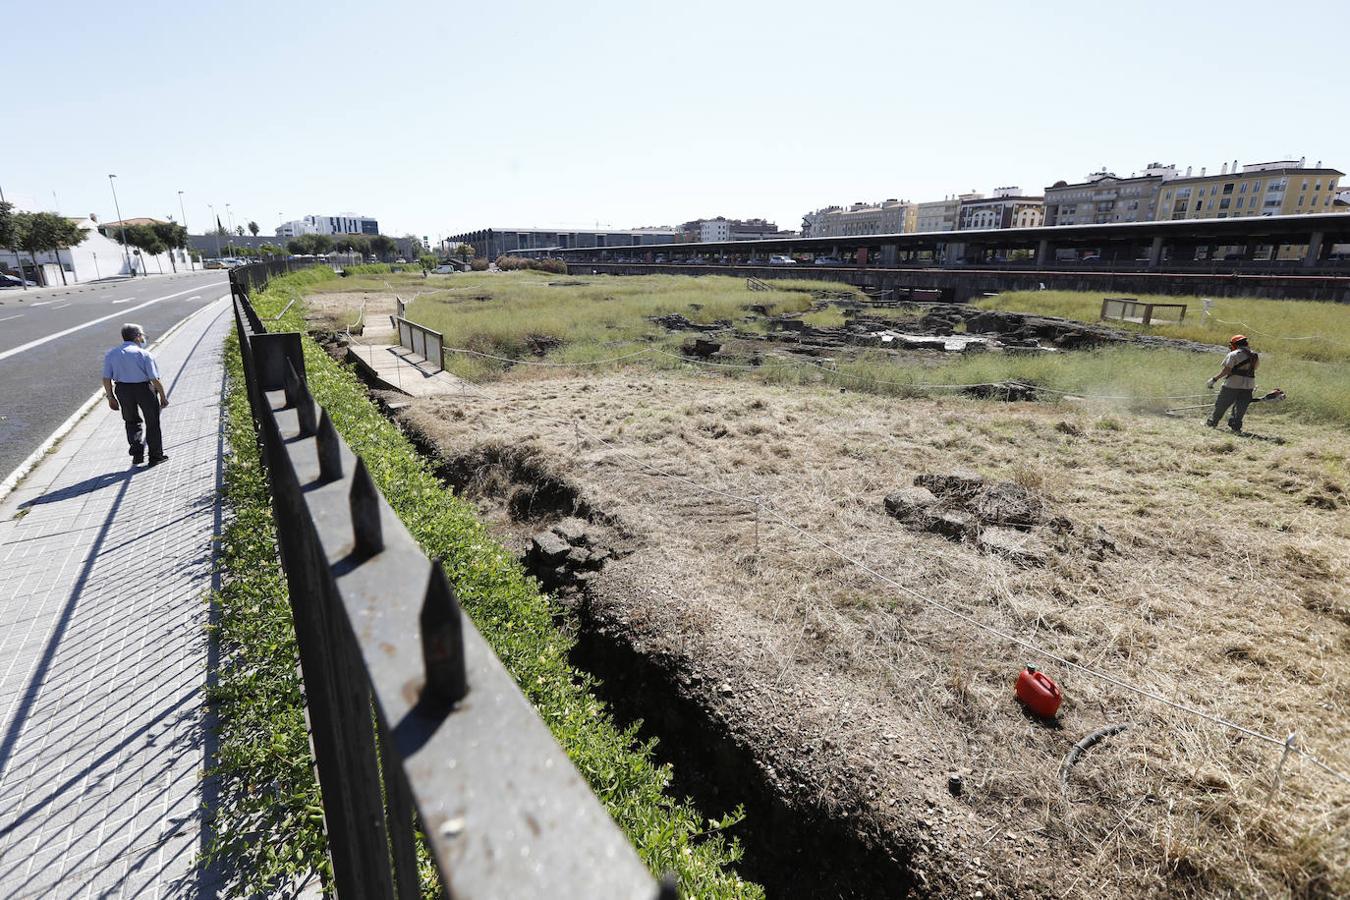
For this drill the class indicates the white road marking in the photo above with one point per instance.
(60, 334)
(123, 300)
(62, 306)
(196, 297)
(7, 318)
(42, 303)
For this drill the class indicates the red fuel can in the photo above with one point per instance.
(1038, 692)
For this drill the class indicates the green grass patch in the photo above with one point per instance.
(267, 826)
(1294, 329)
(513, 314)
(514, 617)
(520, 317)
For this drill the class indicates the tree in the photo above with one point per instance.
(253, 228)
(310, 245)
(427, 261)
(382, 245)
(142, 237)
(173, 236)
(8, 236)
(239, 230)
(46, 232)
(465, 251)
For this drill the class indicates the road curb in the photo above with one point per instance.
(22, 470)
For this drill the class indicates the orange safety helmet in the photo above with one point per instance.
(1236, 341)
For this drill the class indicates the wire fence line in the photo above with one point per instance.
(770, 510)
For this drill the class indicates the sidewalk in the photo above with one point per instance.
(104, 658)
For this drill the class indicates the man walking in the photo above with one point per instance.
(1239, 372)
(137, 392)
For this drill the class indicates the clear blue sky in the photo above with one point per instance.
(437, 117)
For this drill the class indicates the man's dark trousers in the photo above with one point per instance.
(137, 400)
(1236, 398)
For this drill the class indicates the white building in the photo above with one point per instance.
(1008, 208)
(96, 257)
(941, 215)
(890, 216)
(347, 223)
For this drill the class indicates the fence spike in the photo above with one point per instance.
(669, 888)
(303, 402)
(330, 454)
(292, 384)
(442, 629)
(365, 506)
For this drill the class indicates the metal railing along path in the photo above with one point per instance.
(416, 726)
(428, 344)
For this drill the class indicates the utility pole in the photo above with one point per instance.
(123, 223)
(183, 209)
(216, 230)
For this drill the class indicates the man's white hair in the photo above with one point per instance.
(131, 331)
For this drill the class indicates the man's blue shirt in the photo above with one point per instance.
(129, 363)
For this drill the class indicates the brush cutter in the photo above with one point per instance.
(1272, 397)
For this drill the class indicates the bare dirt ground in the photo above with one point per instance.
(1207, 568)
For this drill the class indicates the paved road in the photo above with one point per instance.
(52, 345)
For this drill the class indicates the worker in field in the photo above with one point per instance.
(1239, 374)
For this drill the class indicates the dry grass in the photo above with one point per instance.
(1228, 594)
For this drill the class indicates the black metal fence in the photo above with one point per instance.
(415, 724)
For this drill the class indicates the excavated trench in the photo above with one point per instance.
(794, 845)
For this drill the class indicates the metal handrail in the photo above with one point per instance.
(423, 341)
(416, 725)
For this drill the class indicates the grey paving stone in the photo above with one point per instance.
(104, 574)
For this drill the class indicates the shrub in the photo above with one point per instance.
(512, 263)
(479, 264)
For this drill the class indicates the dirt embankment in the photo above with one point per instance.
(872, 734)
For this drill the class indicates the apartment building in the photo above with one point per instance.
(1280, 188)
(347, 223)
(941, 215)
(892, 216)
(724, 229)
(1106, 197)
(1008, 208)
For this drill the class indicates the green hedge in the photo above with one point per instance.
(514, 617)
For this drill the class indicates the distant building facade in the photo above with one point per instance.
(891, 216)
(493, 242)
(1008, 208)
(1280, 188)
(724, 229)
(348, 223)
(1106, 197)
(941, 215)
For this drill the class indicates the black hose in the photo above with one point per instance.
(1079, 749)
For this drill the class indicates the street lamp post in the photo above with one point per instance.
(216, 230)
(122, 222)
(187, 237)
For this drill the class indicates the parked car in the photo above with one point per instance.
(15, 281)
(782, 261)
(400, 260)
(829, 261)
(444, 270)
